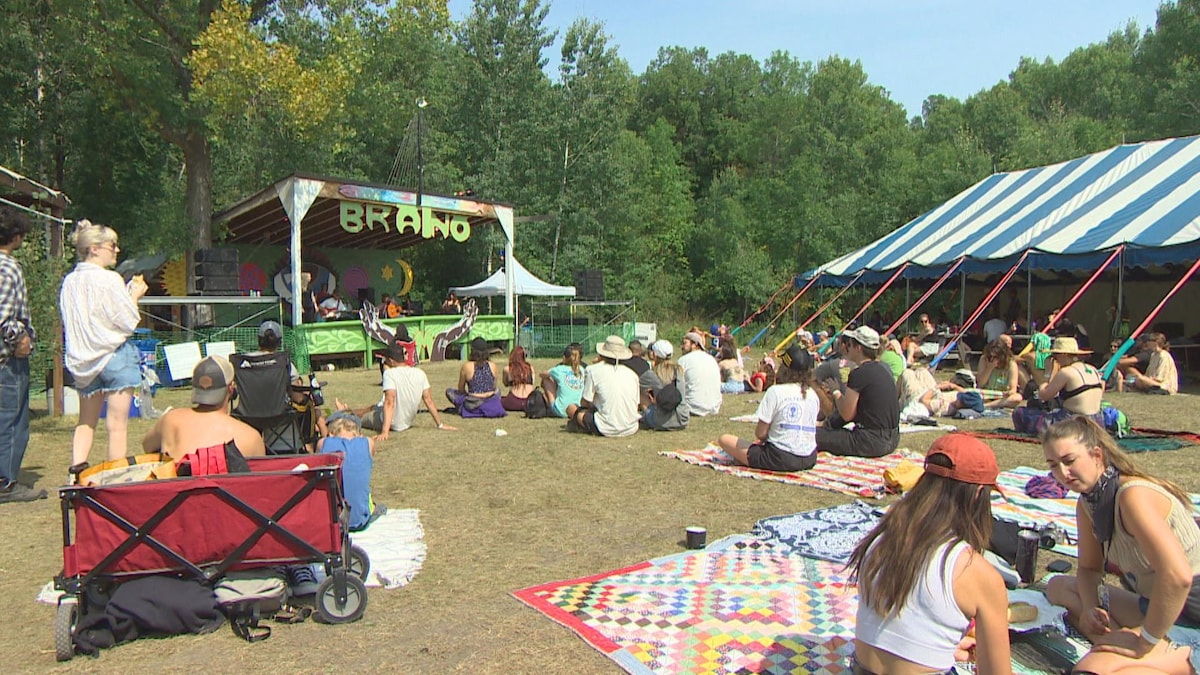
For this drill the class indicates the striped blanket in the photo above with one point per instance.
(857, 476)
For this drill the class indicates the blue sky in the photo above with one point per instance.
(912, 48)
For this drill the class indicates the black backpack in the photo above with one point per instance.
(668, 397)
(535, 406)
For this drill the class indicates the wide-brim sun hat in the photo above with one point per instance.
(613, 347)
(1067, 345)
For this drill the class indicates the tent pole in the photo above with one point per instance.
(786, 307)
(962, 298)
(864, 308)
(1112, 361)
(822, 308)
(1029, 300)
(987, 300)
(1118, 321)
(925, 296)
(907, 302)
(1062, 311)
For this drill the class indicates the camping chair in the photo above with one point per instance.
(263, 401)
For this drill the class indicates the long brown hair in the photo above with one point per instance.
(573, 356)
(895, 554)
(1086, 432)
(519, 370)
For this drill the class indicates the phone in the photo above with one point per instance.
(1060, 566)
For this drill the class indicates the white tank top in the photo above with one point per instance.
(930, 626)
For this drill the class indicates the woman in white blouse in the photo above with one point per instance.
(99, 314)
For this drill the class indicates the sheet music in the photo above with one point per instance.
(182, 359)
(220, 348)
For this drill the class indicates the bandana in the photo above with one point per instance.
(1103, 500)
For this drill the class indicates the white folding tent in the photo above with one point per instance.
(524, 283)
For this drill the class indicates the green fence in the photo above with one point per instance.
(550, 341)
(245, 339)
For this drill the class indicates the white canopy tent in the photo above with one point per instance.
(524, 283)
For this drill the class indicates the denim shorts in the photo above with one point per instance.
(123, 371)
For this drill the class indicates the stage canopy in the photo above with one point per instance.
(524, 284)
(1145, 195)
(312, 211)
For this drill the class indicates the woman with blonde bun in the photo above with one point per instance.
(99, 313)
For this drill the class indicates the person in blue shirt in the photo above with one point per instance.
(345, 436)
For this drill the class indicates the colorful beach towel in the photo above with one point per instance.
(738, 610)
(1141, 440)
(823, 534)
(857, 476)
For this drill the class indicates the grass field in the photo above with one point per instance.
(500, 513)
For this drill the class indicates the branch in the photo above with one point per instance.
(162, 23)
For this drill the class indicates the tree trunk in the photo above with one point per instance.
(197, 164)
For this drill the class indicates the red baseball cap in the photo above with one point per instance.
(971, 460)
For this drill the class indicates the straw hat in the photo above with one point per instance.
(1067, 345)
(614, 348)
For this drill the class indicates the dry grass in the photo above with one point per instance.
(500, 513)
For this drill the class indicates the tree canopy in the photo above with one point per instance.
(697, 186)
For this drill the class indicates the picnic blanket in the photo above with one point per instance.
(823, 534)
(395, 544)
(857, 476)
(1141, 440)
(738, 610)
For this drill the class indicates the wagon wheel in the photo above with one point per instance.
(349, 608)
(64, 629)
(359, 563)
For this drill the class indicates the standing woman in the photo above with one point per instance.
(99, 313)
(921, 573)
(518, 377)
(478, 393)
(1144, 526)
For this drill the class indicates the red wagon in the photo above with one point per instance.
(288, 510)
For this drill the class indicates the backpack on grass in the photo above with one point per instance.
(250, 596)
(535, 405)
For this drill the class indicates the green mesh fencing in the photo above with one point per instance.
(550, 341)
(245, 339)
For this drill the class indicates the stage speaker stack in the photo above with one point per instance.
(589, 285)
(217, 271)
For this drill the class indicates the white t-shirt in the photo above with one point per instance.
(410, 384)
(99, 315)
(792, 416)
(703, 393)
(993, 329)
(613, 391)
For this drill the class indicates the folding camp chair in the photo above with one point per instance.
(263, 401)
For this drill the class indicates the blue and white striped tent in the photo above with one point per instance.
(1071, 215)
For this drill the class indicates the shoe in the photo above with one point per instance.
(302, 580)
(15, 492)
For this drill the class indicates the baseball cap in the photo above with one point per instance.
(865, 336)
(797, 358)
(210, 380)
(346, 415)
(695, 338)
(662, 349)
(270, 328)
(397, 352)
(971, 460)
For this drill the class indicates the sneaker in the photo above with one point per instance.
(15, 492)
(302, 580)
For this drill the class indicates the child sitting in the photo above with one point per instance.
(345, 437)
(764, 377)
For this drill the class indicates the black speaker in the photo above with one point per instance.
(589, 285)
(366, 295)
(216, 271)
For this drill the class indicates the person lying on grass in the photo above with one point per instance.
(1144, 526)
(345, 436)
(785, 438)
(922, 577)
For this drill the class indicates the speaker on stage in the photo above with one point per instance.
(589, 285)
(217, 271)
(366, 295)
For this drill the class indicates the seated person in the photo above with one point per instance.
(345, 437)
(451, 304)
(637, 362)
(894, 358)
(478, 394)
(1161, 374)
(1000, 380)
(920, 395)
(334, 308)
(1135, 362)
(270, 340)
(405, 388)
(1143, 526)
(663, 412)
(563, 384)
(733, 374)
(764, 376)
(609, 405)
(389, 308)
(518, 377)
(785, 438)
(703, 395)
(1075, 385)
(920, 585)
(870, 401)
(207, 423)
